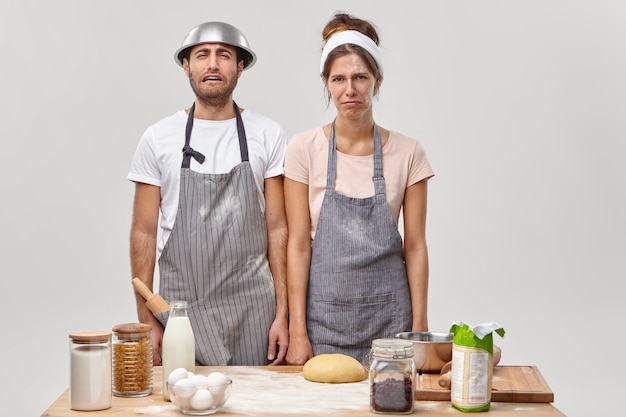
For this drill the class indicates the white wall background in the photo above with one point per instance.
(520, 106)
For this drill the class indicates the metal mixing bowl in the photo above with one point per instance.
(431, 350)
(217, 32)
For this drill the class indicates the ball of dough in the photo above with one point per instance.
(333, 368)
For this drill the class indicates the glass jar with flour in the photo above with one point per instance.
(90, 370)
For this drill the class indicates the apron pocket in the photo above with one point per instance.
(351, 321)
(210, 348)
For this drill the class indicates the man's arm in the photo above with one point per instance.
(298, 266)
(143, 235)
(277, 255)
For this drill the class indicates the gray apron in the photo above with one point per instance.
(216, 260)
(358, 287)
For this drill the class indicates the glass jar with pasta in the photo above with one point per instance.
(132, 360)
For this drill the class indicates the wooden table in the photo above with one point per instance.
(282, 392)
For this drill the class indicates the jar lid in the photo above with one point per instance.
(392, 348)
(132, 328)
(90, 337)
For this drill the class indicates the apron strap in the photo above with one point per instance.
(331, 172)
(378, 179)
(241, 132)
(188, 151)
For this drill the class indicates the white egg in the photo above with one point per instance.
(201, 400)
(184, 388)
(217, 382)
(176, 375)
(200, 381)
(218, 399)
(180, 402)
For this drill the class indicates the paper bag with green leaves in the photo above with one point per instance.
(472, 365)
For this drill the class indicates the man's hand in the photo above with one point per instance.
(279, 342)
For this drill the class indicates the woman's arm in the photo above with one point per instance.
(416, 251)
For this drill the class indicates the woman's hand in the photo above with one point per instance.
(299, 350)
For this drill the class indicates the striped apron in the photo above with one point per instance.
(358, 287)
(216, 260)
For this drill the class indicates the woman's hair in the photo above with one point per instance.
(343, 21)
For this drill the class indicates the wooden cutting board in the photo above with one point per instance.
(521, 384)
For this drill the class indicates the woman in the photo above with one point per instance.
(350, 277)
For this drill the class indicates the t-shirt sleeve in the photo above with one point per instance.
(296, 162)
(276, 155)
(144, 167)
(419, 168)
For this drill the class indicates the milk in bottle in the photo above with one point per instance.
(179, 347)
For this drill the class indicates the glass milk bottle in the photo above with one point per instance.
(90, 370)
(179, 346)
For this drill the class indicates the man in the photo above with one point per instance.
(214, 172)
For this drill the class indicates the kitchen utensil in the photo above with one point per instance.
(217, 32)
(432, 350)
(154, 302)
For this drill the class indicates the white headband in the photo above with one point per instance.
(357, 38)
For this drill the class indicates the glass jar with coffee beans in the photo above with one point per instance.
(392, 376)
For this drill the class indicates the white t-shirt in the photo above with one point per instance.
(158, 158)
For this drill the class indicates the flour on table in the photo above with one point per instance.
(272, 392)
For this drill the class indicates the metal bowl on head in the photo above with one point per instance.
(217, 32)
(431, 350)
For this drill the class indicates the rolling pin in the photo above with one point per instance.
(154, 302)
(444, 378)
